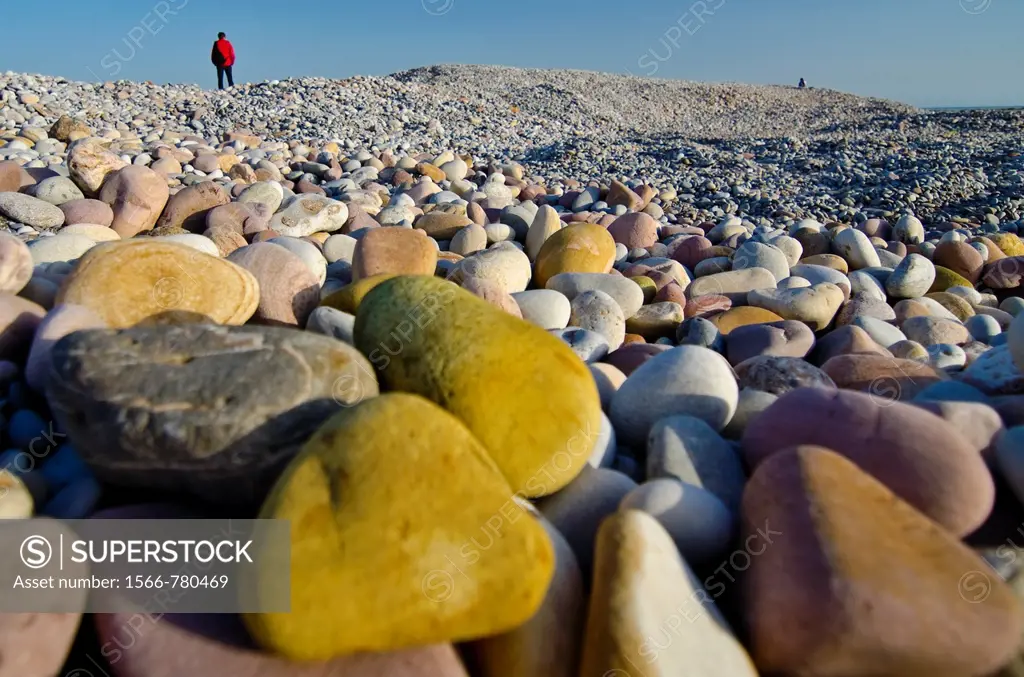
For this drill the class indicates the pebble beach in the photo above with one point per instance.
(551, 372)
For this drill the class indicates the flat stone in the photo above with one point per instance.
(743, 316)
(656, 320)
(749, 406)
(545, 224)
(597, 311)
(494, 294)
(847, 340)
(129, 281)
(635, 230)
(587, 345)
(268, 193)
(929, 331)
(442, 226)
(759, 255)
(961, 258)
(30, 211)
(855, 247)
(629, 357)
(199, 243)
(978, 423)
(469, 239)
(181, 408)
(93, 231)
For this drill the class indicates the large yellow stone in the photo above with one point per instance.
(577, 248)
(520, 390)
(403, 533)
(129, 281)
(348, 298)
(743, 316)
(1008, 243)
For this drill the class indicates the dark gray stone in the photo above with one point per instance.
(210, 410)
(779, 375)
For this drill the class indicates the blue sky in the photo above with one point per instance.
(923, 52)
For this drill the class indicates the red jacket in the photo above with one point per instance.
(223, 53)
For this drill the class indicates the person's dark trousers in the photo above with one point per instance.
(221, 70)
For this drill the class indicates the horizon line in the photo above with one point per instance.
(933, 107)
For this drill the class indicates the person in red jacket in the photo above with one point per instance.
(223, 57)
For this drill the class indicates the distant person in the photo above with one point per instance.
(802, 85)
(223, 57)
